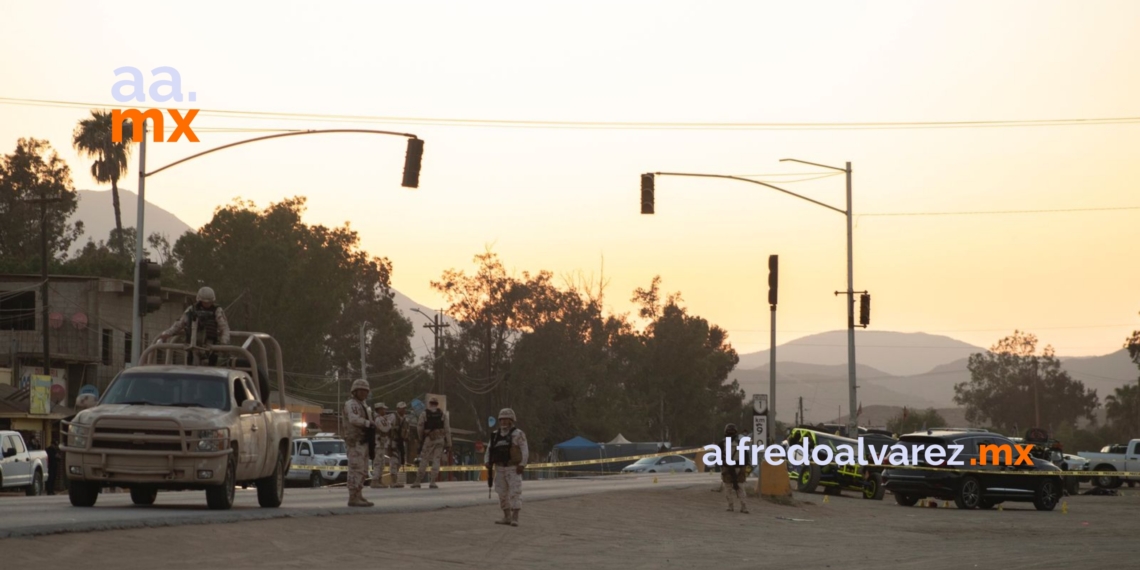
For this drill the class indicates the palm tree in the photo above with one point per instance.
(92, 138)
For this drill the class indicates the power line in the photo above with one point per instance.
(617, 125)
(996, 212)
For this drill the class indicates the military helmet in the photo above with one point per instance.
(207, 294)
(85, 401)
(379, 406)
(507, 414)
(730, 428)
(401, 405)
(360, 384)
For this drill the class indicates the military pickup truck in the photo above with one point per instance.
(1120, 457)
(165, 425)
(21, 467)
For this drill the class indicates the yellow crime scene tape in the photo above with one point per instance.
(552, 465)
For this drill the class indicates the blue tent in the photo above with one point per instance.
(577, 442)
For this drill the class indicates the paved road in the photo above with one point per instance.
(30, 516)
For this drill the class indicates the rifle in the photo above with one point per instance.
(490, 478)
(370, 436)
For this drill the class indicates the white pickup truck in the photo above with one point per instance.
(1123, 457)
(20, 467)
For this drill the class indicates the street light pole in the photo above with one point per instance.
(411, 179)
(647, 198)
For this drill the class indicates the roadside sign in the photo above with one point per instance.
(759, 428)
(760, 404)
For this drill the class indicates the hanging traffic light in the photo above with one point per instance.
(412, 163)
(151, 298)
(773, 278)
(646, 193)
(864, 309)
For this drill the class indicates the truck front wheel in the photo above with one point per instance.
(221, 497)
(271, 490)
(143, 495)
(83, 493)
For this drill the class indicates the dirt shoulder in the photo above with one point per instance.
(642, 529)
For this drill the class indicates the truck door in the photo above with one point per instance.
(246, 438)
(260, 460)
(17, 468)
(1132, 460)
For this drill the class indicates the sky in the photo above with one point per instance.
(567, 199)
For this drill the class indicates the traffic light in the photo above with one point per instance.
(646, 193)
(412, 163)
(773, 278)
(864, 309)
(151, 298)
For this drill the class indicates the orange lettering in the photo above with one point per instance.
(182, 125)
(137, 118)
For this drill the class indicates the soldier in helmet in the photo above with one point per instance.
(434, 429)
(356, 437)
(398, 432)
(732, 476)
(212, 326)
(505, 459)
(383, 421)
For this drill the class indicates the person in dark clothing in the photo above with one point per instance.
(53, 466)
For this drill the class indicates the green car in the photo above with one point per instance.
(834, 479)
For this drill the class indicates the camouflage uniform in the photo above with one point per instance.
(398, 432)
(508, 481)
(732, 478)
(434, 442)
(382, 459)
(359, 419)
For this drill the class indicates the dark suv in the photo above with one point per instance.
(983, 488)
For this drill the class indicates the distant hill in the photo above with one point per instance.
(422, 338)
(899, 354)
(97, 213)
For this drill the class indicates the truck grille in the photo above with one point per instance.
(132, 436)
(136, 445)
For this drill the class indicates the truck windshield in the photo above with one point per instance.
(166, 389)
(328, 447)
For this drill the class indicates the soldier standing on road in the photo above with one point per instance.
(733, 476)
(356, 437)
(435, 441)
(397, 442)
(505, 459)
(383, 421)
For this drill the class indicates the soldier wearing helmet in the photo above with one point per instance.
(398, 433)
(732, 476)
(383, 421)
(434, 429)
(356, 436)
(205, 322)
(506, 459)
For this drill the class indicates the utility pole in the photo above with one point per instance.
(436, 325)
(801, 420)
(773, 282)
(43, 201)
(136, 320)
(1036, 405)
(852, 421)
(363, 354)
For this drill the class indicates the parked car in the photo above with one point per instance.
(1119, 457)
(866, 480)
(666, 464)
(20, 467)
(324, 450)
(995, 485)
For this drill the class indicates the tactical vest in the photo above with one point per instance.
(503, 449)
(399, 427)
(207, 320)
(433, 420)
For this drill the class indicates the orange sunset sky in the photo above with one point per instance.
(564, 198)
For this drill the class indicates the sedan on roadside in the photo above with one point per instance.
(666, 464)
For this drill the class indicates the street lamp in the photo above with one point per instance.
(435, 325)
(647, 207)
(411, 179)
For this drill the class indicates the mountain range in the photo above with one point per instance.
(917, 370)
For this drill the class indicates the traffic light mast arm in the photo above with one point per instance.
(279, 135)
(728, 177)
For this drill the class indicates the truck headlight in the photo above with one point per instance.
(79, 435)
(330, 462)
(213, 439)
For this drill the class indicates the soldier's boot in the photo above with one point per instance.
(365, 502)
(730, 509)
(355, 500)
(431, 482)
(743, 508)
(506, 517)
(514, 517)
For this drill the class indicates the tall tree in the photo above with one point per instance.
(1122, 409)
(299, 282)
(34, 171)
(93, 137)
(1011, 383)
